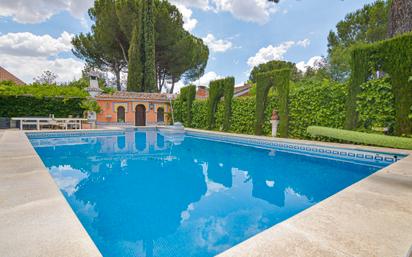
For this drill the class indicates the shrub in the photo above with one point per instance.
(393, 57)
(361, 138)
(376, 105)
(24, 106)
(218, 89)
(40, 90)
(315, 102)
(187, 96)
(264, 82)
(41, 100)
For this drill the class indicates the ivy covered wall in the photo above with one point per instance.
(41, 100)
(394, 57)
(25, 106)
(187, 96)
(218, 89)
(311, 102)
(279, 79)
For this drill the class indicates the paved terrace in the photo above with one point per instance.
(370, 218)
(35, 219)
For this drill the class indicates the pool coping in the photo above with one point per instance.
(35, 218)
(370, 218)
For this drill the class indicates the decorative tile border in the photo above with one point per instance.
(339, 153)
(84, 133)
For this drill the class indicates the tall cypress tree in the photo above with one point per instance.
(149, 78)
(135, 74)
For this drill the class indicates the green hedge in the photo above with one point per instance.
(42, 91)
(41, 100)
(376, 105)
(392, 56)
(311, 102)
(361, 138)
(187, 96)
(218, 89)
(316, 103)
(23, 106)
(279, 79)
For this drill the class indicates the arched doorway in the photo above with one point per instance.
(121, 114)
(160, 115)
(140, 115)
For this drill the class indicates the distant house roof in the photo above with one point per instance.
(5, 75)
(137, 96)
(242, 90)
(202, 93)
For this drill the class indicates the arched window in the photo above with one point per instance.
(121, 114)
(160, 115)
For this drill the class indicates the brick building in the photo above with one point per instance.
(138, 109)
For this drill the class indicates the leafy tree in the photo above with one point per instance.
(366, 25)
(178, 53)
(145, 39)
(149, 57)
(274, 65)
(169, 23)
(200, 56)
(400, 18)
(104, 47)
(47, 77)
(129, 15)
(135, 74)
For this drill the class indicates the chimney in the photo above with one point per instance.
(93, 88)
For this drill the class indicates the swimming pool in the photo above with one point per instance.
(141, 193)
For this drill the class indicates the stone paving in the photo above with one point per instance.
(35, 219)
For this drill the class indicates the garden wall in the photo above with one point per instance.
(313, 102)
(40, 100)
(23, 106)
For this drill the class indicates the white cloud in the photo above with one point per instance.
(27, 68)
(217, 45)
(27, 55)
(201, 4)
(206, 78)
(315, 63)
(203, 81)
(270, 53)
(258, 11)
(36, 11)
(28, 44)
(304, 43)
(189, 22)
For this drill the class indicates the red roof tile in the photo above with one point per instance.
(137, 96)
(5, 75)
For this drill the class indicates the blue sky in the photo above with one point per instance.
(35, 34)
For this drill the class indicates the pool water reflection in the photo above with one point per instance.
(143, 194)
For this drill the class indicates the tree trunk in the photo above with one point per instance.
(117, 74)
(400, 17)
(172, 88)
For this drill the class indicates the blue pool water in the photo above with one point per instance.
(143, 194)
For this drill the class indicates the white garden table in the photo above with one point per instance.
(64, 123)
